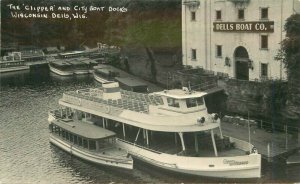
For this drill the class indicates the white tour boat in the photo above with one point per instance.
(104, 73)
(81, 138)
(61, 68)
(170, 129)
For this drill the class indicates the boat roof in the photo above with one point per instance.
(104, 70)
(180, 93)
(130, 81)
(88, 61)
(83, 129)
(71, 53)
(61, 63)
(76, 62)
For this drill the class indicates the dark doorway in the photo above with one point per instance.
(241, 63)
(242, 70)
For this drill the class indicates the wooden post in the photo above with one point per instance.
(269, 153)
(196, 143)
(176, 141)
(214, 143)
(286, 137)
(182, 141)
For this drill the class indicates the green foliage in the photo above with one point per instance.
(290, 53)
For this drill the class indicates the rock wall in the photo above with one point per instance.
(260, 99)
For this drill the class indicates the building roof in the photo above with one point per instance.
(180, 93)
(84, 129)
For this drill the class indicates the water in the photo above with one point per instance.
(26, 156)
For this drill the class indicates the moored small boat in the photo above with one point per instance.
(104, 74)
(87, 141)
(61, 67)
(11, 66)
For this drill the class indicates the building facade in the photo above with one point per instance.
(238, 38)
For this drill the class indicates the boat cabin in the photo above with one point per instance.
(182, 100)
(62, 65)
(83, 135)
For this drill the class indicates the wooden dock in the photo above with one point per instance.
(270, 145)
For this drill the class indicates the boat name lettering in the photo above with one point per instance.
(234, 162)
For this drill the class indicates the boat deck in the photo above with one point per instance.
(130, 100)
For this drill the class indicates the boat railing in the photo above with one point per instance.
(83, 99)
(139, 146)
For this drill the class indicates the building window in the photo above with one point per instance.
(264, 13)
(193, 16)
(194, 54)
(241, 14)
(264, 70)
(218, 14)
(219, 50)
(264, 41)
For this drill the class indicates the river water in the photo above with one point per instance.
(26, 156)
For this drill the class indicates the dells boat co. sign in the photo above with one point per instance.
(251, 27)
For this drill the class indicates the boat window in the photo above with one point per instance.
(71, 137)
(67, 135)
(92, 145)
(200, 101)
(75, 139)
(63, 133)
(79, 141)
(172, 102)
(193, 102)
(85, 143)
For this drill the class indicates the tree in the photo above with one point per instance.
(148, 24)
(290, 55)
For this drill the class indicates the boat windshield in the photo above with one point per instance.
(194, 102)
(172, 102)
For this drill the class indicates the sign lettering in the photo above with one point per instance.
(251, 27)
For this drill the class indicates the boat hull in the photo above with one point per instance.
(97, 159)
(81, 72)
(247, 166)
(13, 69)
(99, 79)
(60, 72)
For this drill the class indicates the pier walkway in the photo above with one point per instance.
(270, 145)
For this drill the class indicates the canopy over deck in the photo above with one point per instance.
(85, 130)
